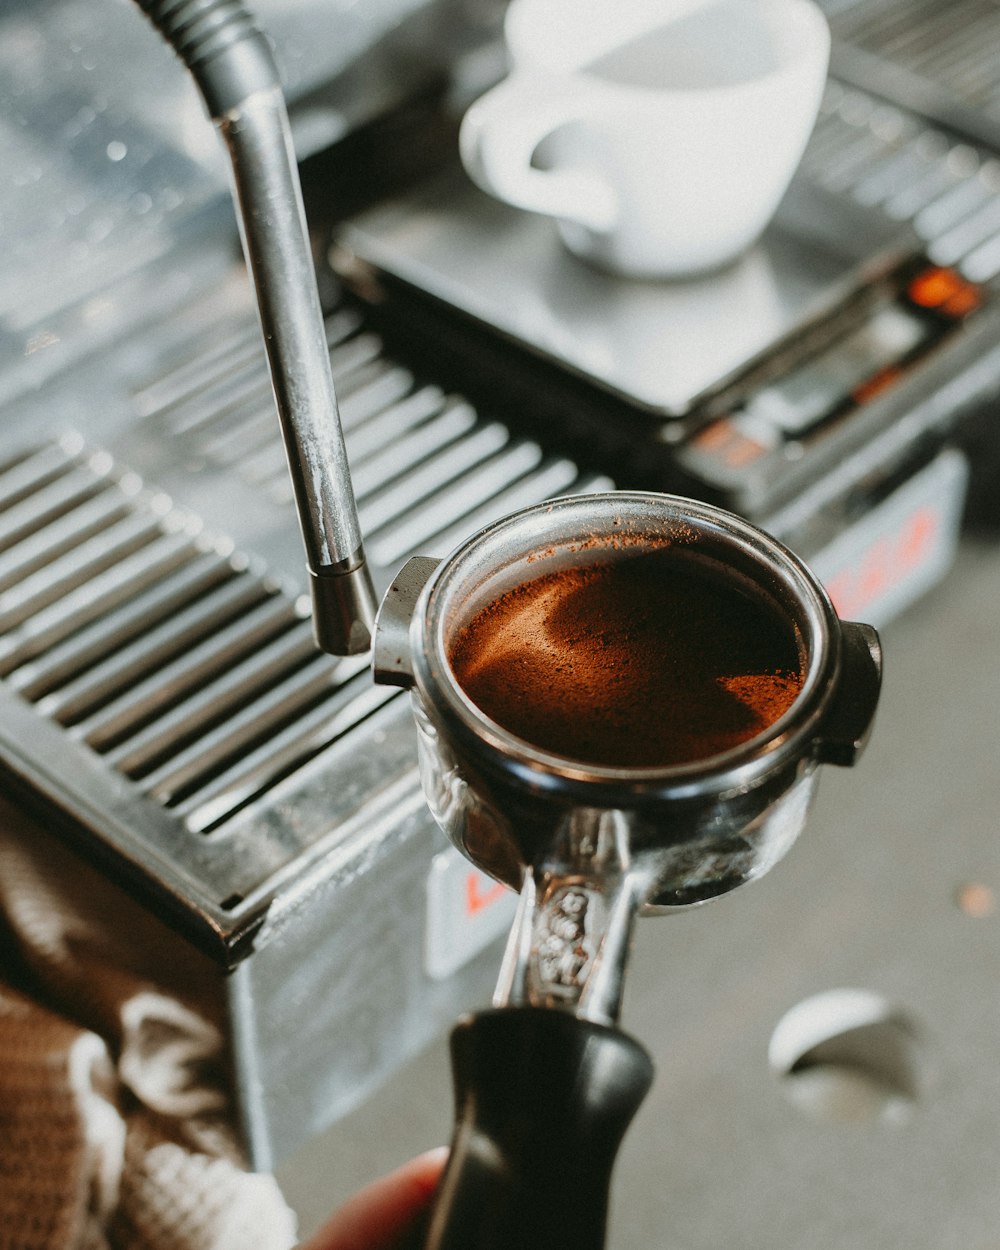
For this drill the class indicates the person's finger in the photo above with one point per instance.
(380, 1216)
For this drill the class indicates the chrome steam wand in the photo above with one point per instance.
(232, 63)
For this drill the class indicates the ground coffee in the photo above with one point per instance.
(643, 660)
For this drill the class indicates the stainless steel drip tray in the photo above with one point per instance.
(658, 345)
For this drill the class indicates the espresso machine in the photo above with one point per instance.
(169, 723)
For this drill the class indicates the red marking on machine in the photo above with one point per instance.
(480, 893)
(889, 559)
(944, 289)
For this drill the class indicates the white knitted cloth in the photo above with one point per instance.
(115, 1131)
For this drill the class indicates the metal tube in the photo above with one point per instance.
(275, 241)
(231, 62)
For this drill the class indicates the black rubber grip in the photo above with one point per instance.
(220, 43)
(542, 1102)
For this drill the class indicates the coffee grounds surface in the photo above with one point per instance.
(646, 661)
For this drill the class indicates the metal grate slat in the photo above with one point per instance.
(154, 648)
(166, 688)
(33, 472)
(379, 510)
(73, 572)
(62, 662)
(74, 488)
(558, 477)
(92, 600)
(211, 806)
(61, 535)
(282, 705)
(407, 533)
(214, 700)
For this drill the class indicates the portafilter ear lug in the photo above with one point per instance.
(391, 659)
(848, 721)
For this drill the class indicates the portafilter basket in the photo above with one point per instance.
(546, 1084)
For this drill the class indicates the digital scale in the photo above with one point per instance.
(804, 386)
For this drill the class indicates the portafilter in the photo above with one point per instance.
(546, 1084)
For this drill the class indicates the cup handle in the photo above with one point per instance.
(499, 135)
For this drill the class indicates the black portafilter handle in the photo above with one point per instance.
(542, 1102)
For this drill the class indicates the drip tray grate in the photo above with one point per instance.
(163, 688)
(155, 646)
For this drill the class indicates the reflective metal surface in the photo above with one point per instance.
(645, 341)
(111, 167)
(922, 55)
(275, 238)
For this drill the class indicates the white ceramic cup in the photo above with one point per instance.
(661, 134)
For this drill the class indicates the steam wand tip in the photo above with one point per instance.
(344, 607)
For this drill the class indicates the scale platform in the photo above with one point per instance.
(661, 346)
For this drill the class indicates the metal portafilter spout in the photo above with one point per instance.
(231, 61)
(522, 650)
